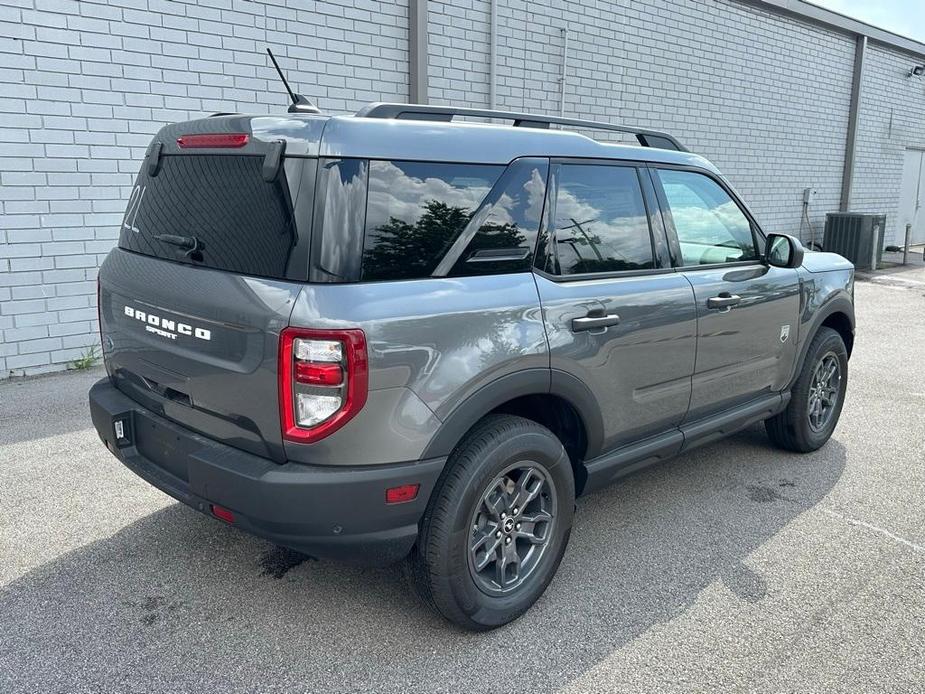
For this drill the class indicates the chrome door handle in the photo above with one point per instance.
(596, 318)
(724, 300)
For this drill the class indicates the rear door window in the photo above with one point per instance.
(213, 211)
(601, 223)
(416, 211)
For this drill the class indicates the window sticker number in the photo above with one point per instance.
(134, 204)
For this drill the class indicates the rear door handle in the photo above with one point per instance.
(724, 300)
(595, 319)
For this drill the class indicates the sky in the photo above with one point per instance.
(906, 17)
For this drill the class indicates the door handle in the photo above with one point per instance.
(596, 318)
(724, 300)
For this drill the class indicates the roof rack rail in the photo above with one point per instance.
(646, 137)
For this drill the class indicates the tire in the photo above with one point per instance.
(801, 427)
(488, 470)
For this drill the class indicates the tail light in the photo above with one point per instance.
(323, 381)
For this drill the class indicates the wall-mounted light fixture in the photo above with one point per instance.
(917, 71)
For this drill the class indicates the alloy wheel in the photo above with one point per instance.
(511, 528)
(824, 390)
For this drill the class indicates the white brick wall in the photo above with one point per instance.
(892, 118)
(84, 84)
(763, 96)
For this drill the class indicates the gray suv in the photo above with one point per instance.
(396, 335)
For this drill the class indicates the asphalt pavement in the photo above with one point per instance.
(736, 567)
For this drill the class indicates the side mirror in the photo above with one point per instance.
(782, 250)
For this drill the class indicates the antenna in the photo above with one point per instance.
(282, 77)
(299, 103)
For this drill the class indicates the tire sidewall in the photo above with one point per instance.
(539, 447)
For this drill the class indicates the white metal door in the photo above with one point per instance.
(912, 197)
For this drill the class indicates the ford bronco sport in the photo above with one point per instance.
(398, 335)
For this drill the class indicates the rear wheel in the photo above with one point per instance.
(816, 398)
(497, 524)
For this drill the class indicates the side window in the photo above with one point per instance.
(502, 235)
(415, 213)
(710, 226)
(600, 220)
(342, 205)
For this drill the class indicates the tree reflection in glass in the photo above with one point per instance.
(415, 212)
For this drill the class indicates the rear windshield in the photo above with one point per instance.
(214, 211)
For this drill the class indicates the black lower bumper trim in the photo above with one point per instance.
(327, 512)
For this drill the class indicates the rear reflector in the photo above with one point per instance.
(222, 514)
(399, 495)
(212, 140)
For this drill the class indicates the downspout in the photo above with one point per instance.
(564, 66)
(493, 54)
(851, 143)
(417, 51)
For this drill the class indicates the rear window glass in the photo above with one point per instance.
(502, 238)
(416, 211)
(600, 221)
(213, 211)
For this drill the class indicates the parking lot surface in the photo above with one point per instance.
(736, 567)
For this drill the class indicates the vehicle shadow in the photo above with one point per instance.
(176, 601)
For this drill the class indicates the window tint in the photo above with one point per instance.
(507, 225)
(240, 222)
(601, 223)
(415, 213)
(710, 226)
(342, 208)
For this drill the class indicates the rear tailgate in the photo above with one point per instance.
(212, 255)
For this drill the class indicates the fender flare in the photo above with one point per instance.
(839, 304)
(515, 385)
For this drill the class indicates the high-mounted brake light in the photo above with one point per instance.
(323, 381)
(213, 140)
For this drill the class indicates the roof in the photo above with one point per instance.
(378, 138)
(415, 140)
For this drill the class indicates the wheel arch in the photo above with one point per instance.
(837, 314)
(556, 399)
(841, 323)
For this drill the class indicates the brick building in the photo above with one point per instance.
(781, 95)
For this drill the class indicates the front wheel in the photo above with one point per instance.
(816, 398)
(497, 524)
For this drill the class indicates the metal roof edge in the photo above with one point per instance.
(829, 18)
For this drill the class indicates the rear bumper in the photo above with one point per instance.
(328, 512)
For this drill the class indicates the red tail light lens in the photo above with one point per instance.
(323, 381)
(318, 374)
(213, 140)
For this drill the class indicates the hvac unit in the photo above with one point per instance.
(857, 237)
